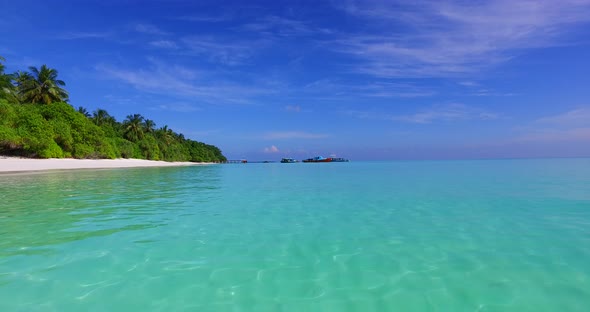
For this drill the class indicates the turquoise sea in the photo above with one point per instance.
(483, 235)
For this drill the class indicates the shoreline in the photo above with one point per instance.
(16, 165)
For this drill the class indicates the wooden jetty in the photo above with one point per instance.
(236, 161)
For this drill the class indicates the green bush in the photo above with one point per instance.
(62, 134)
(149, 148)
(58, 130)
(84, 151)
(51, 151)
(106, 149)
(126, 148)
(35, 132)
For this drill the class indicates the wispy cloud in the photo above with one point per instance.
(392, 89)
(576, 117)
(178, 107)
(469, 84)
(204, 18)
(180, 81)
(446, 113)
(23, 61)
(557, 135)
(121, 100)
(164, 44)
(83, 35)
(572, 125)
(283, 27)
(453, 38)
(226, 51)
(569, 126)
(296, 109)
(149, 29)
(294, 135)
(438, 113)
(488, 92)
(271, 150)
(382, 89)
(474, 88)
(293, 108)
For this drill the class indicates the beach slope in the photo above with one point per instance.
(15, 164)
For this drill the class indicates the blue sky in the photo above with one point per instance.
(365, 80)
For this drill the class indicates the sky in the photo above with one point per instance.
(364, 80)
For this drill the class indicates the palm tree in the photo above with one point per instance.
(2, 65)
(165, 135)
(179, 137)
(6, 87)
(20, 78)
(41, 86)
(149, 125)
(101, 117)
(84, 111)
(133, 127)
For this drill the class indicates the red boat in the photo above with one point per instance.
(318, 159)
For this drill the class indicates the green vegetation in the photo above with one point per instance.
(36, 121)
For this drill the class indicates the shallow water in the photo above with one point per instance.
(497, 235)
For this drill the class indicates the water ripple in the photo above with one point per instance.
(383, 236)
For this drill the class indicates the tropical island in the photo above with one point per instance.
(36, 121)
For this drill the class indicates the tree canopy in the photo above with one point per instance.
(41, 86)
(35, 121)
(6, 86)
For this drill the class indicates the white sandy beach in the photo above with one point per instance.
(15, 164)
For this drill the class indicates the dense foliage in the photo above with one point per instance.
(35, 121)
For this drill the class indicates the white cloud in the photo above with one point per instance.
(271, 149)
(178, 107)
(576, 117)
(445, 113)
(381, 89)
(453, 38)
(165, 44)
(469, 83)
(572, 125)
(180, 81)
(293, 135)
(283, 27)
(557, 135)
(83, 35)
(293, 108)
(149, 29)
(204, 18)
(226, 51)
(488, 92)
(22, 61)
(390, 89)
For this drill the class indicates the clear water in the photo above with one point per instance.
(503, 235)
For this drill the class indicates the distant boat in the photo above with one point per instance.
(317, 159)
(320, 159)
(339, 159)
(288, 160)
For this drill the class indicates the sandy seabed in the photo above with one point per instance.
(16, 165)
